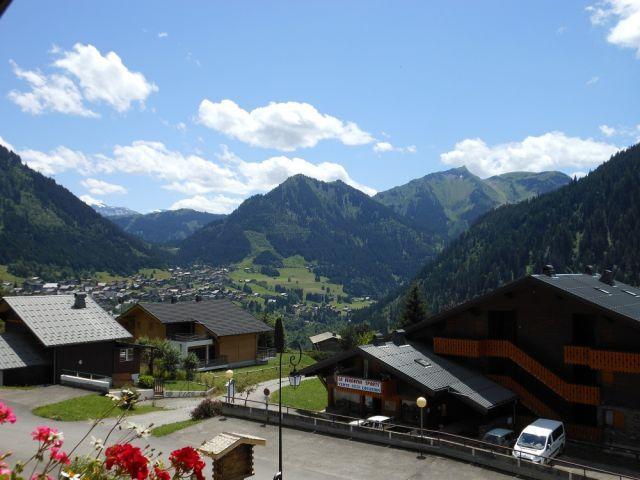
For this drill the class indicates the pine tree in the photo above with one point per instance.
(415, 308)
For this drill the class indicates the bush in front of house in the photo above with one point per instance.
(190, 363)
(207, 408)
(145, 381)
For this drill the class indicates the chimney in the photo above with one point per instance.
(607, 277)
(399, 338)
(79, 300)
(588, 270)
(378, 340)
(174, 299)
(549, 271)
(198, 298)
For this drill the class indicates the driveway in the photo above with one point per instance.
(38, 396)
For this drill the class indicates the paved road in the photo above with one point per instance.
(307, 456)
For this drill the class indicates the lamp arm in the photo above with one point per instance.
(292, 359)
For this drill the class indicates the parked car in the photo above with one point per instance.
(500, 436)
(377, 422)
(541, 441)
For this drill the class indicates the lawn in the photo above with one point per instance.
(255, 374)
(88, 407)
(183, 385)
(310, 395)
(5, 276)
(168, 428)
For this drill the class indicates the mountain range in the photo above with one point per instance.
(592, 221)
(164, 227)
(46, 230)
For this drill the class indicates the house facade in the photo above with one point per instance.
(567, 344)
(53, 337)
(218, 332)
(326, 342)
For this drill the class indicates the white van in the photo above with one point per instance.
(540, 441)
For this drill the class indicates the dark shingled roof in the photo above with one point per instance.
(19, 350)
(220, 317)
(54, 321)
(620, 298)
(429, 372)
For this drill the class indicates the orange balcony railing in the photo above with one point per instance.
(530, 401)
(605, 360)
(505, 349)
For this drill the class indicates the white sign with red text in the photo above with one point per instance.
(364, 385)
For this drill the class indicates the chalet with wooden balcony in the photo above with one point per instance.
(567, 344)
(218, 332)
(387, 377)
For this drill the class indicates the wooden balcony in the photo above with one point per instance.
(583, 394)
(605, 360)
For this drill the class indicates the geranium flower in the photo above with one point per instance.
(60, 456)
(127, 459)
(41, 476)
(187, 461)
(70, 475)
(6, 414)
(48, 436)
(161, 474)
(97, 443)
(4, 470)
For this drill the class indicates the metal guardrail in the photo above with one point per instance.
(265, 353)
(430, 439)
(214, 362)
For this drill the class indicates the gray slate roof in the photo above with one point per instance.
(440, 374)
(321, 337)
(18, 350)
(220, 317)
(55, 322)
(620, 297)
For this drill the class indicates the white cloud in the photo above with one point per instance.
(100, 187)
(215, 204)
(593, 80)
(578, 174)
(57, 160)
(561, 30)
(6, 145)
(551, 151)
(181, 126)
(625, 17)
(92, 202)
(104, 78)
(383, 147)
(607, 131)
(284, 126)
(55, 93)
(163, 35)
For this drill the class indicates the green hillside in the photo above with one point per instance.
(592, 221)
(352, 239)
(46, 230)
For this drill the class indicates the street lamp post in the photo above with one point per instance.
(421, 402)
(230, 385)
(294, 380)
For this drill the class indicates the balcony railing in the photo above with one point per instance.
(264, 353)
(583, 394)
(605, 360)
(188, 337)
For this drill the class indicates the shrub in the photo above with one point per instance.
(145, 381)
(190, 363)
(207, 408)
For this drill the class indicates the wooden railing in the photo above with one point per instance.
(606, 360)
(505, 349)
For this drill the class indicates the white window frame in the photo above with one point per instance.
(126, 354)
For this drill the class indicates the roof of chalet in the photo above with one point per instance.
(618, 299)
(225, 442)
(220, 317)
(321, 337)
(428, 372)
(55, 322)
(19, 350)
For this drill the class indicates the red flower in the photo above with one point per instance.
(187, 461)
(60, 456)
(48, 436)
(161, 474)
(127, 459)
(6, 414)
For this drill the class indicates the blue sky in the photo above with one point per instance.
(155, 105)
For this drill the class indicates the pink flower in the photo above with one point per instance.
(41, 476)
(60, 456)
(4, 470)
(6, 414)
(48, 436)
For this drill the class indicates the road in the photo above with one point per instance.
(307, 456)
